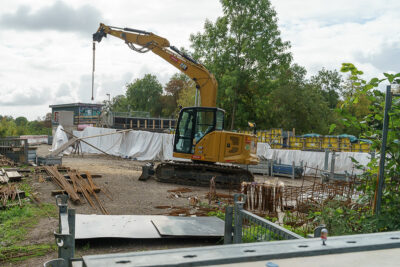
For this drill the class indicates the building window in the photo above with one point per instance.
(56, 116)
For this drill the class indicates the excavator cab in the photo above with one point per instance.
(193, 124)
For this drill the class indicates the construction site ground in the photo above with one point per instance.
(130, 196)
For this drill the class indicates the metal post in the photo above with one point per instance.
(293, 166)
(237, 236)
(326, 159)
(65, 237)
(195, 97)
(332, 174)
(381, 176)
(228, 225)
(26, 151)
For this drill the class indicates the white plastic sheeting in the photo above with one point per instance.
(142, 145)
(59, 139)
(109, 143)
(35, 139)
(314, 159)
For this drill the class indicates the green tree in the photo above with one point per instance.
(296, 103)
(244, 50)
(187, 95)
(330, 83)
(7, 127)
(21, 121)
(119, 103)
(144, 95)
(173, 89)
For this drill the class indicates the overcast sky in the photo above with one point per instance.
(46, 46)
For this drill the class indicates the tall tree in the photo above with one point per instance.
(144, 95)
(330, 84)
(242, 47)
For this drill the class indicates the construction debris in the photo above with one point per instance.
(263, 198)
(74, 185)
(4, 161)
(10, 192)
(179, 192)
(9, 175)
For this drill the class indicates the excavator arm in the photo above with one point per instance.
(142, 41)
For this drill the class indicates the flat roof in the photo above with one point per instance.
(76, 105)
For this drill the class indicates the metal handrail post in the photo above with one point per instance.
(228, 225)
(381, 177)
(237, 236)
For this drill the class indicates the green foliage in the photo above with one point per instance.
(17, 221)
(244, 50)
(21, 126)
(329, 82)
(345, 220)
(144, 95)
(119, 103)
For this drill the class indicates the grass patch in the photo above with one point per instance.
(21, 253)
(15, 224)
(17, 221)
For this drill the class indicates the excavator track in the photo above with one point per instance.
(199, 174)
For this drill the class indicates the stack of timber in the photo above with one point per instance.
(9, 175)
(10, 192)
(74, 185)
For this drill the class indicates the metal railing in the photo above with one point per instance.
(249, 227)
(15, 149)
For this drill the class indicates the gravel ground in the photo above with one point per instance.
(129, 196)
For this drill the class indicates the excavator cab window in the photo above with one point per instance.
(184, 131)
(193, 124)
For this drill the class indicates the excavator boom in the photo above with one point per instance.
(143, 41)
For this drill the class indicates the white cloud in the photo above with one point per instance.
(58, 16)
(49, 44)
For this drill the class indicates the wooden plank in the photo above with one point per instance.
(3, 179)
(63, 147)
(13, 176)
(60, 180)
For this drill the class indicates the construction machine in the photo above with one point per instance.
(200, 139)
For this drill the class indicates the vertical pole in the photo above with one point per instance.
(293, 167)
(237, 237)
(71, 237)
(332, 174)
(228, 225)
(26, 151)
(381, 177)
(195, 97)
(93, 68)
(326, 159)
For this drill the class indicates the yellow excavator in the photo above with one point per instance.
(199, 134)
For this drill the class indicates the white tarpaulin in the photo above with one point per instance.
(109, 143)
(142, 145)
(59, 139)
(315, 159)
